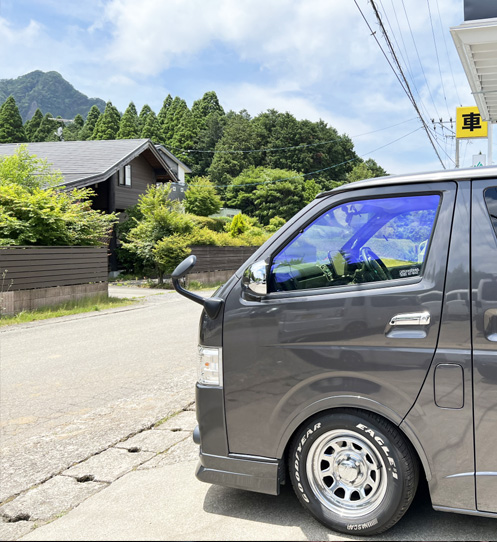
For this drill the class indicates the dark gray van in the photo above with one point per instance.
(357, 350)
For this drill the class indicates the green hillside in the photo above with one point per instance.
(50, 92)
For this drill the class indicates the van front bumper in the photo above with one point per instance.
(250, 473)
(217, 465)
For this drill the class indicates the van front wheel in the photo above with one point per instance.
(354, 471)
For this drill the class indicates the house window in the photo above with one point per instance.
(124, 176)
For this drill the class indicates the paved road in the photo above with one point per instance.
(79, 400)
(71, 387)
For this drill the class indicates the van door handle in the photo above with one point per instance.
(411, 319)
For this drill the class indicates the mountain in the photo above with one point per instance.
(50, 92)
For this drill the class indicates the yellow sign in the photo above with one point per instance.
(469, 123)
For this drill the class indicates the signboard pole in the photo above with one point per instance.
(457, 153)
(490, 142)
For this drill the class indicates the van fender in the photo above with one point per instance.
(351, 401)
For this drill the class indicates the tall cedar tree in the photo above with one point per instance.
(32, 125)
(128, 129)
(47, 131)
(151, 128)
(207, 114)
(161, 117)
(207, 139)
(91, 121)
(142, 118)
(71, 131)
(174, 115)
(184, 136)
(11, 127)
(107, 124)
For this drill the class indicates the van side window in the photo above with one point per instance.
(491, 201)
(358, 242)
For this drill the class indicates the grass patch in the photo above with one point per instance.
(88, 304)
(167, 284)
(196, 285)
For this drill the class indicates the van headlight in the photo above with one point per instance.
(210, 369)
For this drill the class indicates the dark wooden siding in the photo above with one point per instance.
(41, 267)
(210, 258)
(142, 175)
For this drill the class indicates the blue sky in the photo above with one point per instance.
(313, 58)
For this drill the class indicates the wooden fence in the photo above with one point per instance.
(25, 268)
(210, 258)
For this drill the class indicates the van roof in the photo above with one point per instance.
(431, 176)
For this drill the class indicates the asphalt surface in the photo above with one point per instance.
(96, 417)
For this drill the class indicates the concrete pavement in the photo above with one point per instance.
(161, 499)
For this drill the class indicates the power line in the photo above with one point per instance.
(447, 51)
(405, 59)
(404, 83)
(436, 54)
(324, 169)
(270, 149)
(419, 58)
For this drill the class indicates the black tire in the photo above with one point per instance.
(353, 470)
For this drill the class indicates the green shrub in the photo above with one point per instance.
(239, 225)
(275, 224)
(212, 223)
(170, 252)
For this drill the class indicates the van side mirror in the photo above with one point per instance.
(184, 267)
(255, 278)
(212, 305)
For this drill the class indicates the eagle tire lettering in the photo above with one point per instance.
(381, 443)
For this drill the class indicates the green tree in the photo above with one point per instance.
(151, 128)
(238, 135)
(205, 107)
(375, 168)
(47, 131)
(11, 127)
(172, 120)
(267, 193)
(207, 139)
(107, 124)
(283, 199)
(32, 125)
(128, 127)
(91, 121)
(184, 136)
(161, 117)
(201, 198)
(35, 211)
(365, 170)
(161, 217)
(146, 110)
(72, 130)
(28, 171)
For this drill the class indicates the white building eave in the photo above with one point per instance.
(476, 44)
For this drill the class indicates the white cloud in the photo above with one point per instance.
(307, 38)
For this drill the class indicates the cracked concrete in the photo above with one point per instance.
(56, 496)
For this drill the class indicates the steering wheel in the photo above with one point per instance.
(374, 264)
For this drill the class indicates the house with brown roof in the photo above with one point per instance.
(119, 171)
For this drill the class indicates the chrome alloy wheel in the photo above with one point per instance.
(346, 473)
